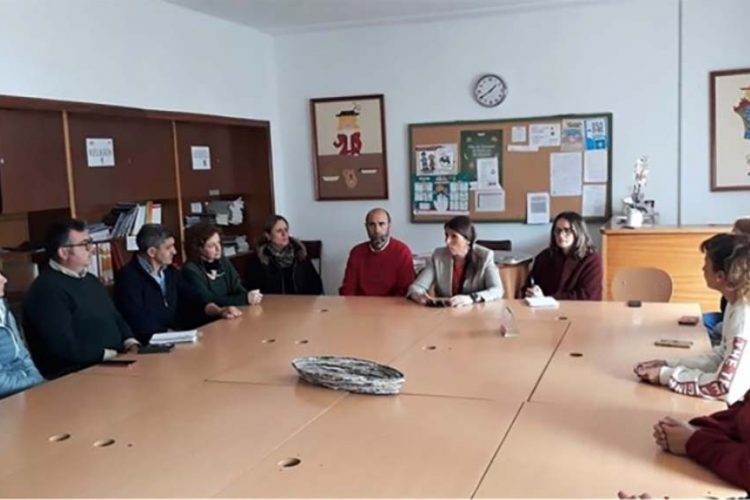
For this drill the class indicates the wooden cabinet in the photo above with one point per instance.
(217, 180)
(675, 249)
(144, 160)
(33, 174)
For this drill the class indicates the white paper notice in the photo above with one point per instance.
(595, 165)
(196, 208)
(522, 148)
(100, 152)
(537, 208)
(490, 200)
(594, 200)
(487, 173)
(518, 134)
(201, 157)
(565, 174)
(544, 134)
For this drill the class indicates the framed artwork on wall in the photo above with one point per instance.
(349, 152)
(730, 129)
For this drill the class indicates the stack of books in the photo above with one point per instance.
(174, 337)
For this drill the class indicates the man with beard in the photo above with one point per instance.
(381, 267)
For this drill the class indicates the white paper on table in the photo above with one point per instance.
(544, 134)
(490, 200)
(488, 175)
(565, 174)
(595, 165)
(518, 134)
(537, 208)
(100, 152)
(594, 200)
(201, 156)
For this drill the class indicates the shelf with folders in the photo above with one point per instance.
(228, 214)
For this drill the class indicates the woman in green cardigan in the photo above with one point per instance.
(211, 274)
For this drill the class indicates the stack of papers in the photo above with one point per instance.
(174, 337)
(546, 302)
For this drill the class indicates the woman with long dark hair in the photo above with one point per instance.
(570, 268)
(462, 272)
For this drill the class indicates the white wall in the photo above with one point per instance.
(619, 57)
(715, 37)
(140, 53)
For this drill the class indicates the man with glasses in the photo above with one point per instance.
(381, 267)
(152, 295)
(69, 319)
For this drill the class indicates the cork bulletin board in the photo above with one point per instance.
(486, 169)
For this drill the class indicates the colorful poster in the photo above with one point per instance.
(436, 159)
(483, 149)
(596, 133)
(572, 135)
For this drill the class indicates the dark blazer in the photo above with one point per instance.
(300, 279)
(139, 299)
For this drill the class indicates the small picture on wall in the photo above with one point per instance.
(730, 130)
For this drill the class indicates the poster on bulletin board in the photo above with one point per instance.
(486, 169)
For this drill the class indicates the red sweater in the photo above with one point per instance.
(722, 444)
(384, 274)
(568, 278)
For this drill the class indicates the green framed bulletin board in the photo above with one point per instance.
(486, 169)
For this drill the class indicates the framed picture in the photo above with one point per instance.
(730, 130)
(349, 148)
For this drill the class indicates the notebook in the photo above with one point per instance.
(543, 302)
(174, 337)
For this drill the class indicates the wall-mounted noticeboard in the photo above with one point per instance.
(486, 169)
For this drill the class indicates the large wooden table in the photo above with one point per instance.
(480, 415)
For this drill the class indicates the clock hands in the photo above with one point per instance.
(488, 92)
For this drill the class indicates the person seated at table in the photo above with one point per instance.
(720, 442)
(381, 267)
(212, 276)
(462, 272)
(281, 264)
(712, 320)
(570, 268)
(724, 372)
(151, 293)
(17, 370)
(68, 316)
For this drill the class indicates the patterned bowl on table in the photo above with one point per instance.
(349, 374)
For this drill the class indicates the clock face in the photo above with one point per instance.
(490, 90)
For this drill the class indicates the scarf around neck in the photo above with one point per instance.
(284, 258)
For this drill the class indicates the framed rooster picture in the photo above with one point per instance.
(730, 130)
(349, 148)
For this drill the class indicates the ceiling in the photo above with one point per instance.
(289, 16)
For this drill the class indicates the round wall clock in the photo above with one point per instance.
(490, 90)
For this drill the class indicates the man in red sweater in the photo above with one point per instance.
(381, 267)
(719, 442)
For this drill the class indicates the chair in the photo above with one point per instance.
(314, 250)
(504, 245)
(647, 284)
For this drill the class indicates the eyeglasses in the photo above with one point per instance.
(563, 231)
(88, 244)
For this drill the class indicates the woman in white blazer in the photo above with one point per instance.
(462, 272)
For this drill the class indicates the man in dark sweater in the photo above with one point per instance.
(69, 319)
(380, 267)
(152, 295)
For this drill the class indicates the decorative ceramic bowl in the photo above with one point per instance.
(349, 374)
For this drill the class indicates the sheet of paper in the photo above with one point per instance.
(537, 208)
(100, 152)
(595, 165)
(196, 208)
(544, 134)
(594, 200)
(487, 173)
(565, 174)
(518, 134)
(201, 156)
(490, 200)
(522, 148)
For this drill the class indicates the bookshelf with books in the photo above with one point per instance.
(49, 173)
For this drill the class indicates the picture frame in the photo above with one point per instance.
(730, 129)
(349, 148)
